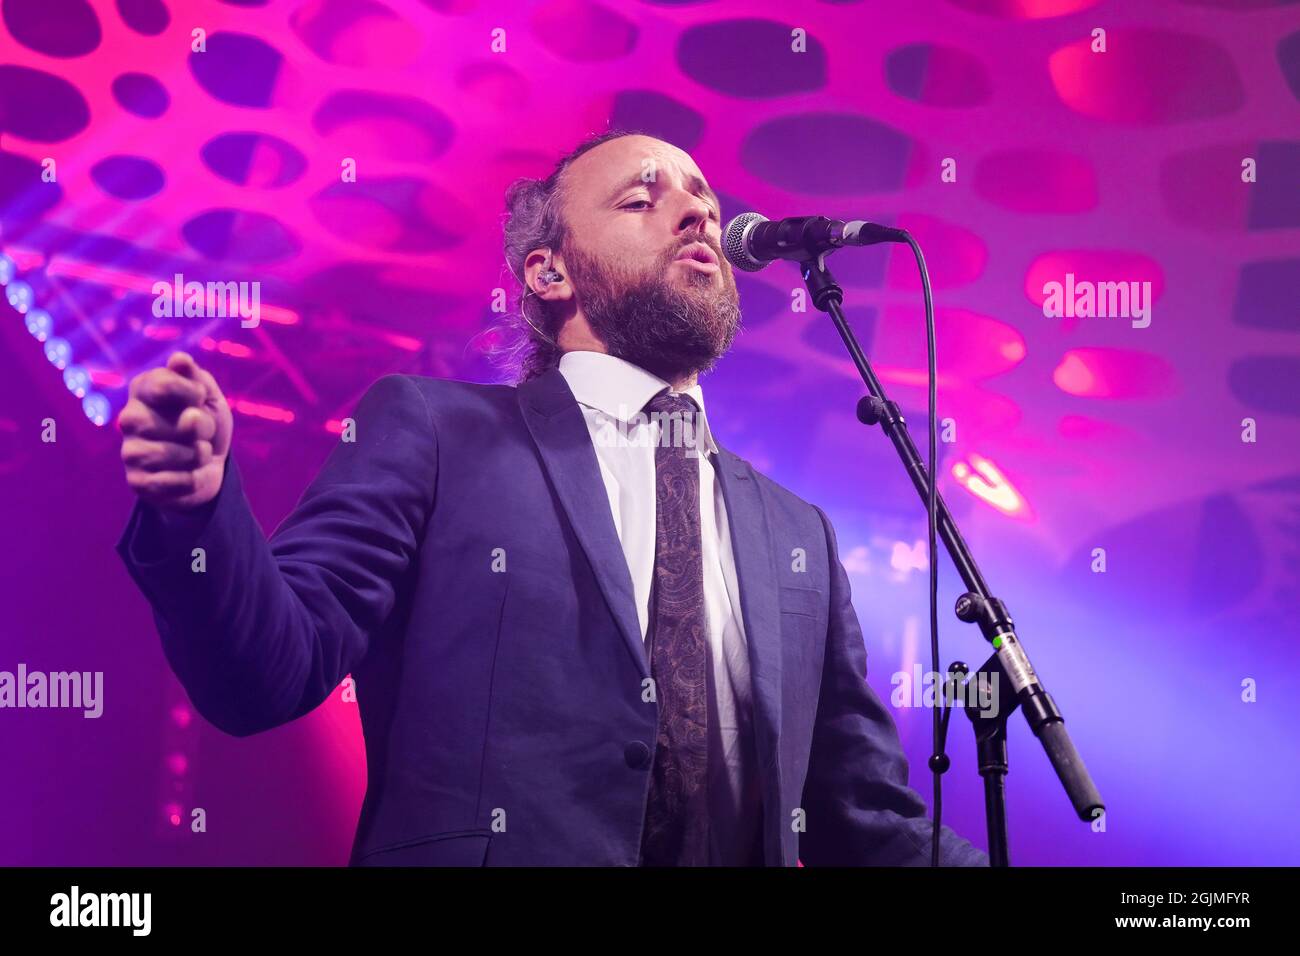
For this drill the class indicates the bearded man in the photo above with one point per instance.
(574, 625)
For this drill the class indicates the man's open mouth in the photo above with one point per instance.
(698, 252)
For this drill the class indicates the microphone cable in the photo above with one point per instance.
(939, 726)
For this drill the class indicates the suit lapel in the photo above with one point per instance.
(555, 420)
(756, 578)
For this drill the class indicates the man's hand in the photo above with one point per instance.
(176, 429)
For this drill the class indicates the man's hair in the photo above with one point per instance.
(534, 218)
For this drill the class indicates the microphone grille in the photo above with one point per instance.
(733, 242)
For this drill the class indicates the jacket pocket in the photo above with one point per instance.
(806, 601)
(455, 848)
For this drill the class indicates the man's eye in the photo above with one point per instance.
(636, 202)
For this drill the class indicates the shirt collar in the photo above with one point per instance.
(620, 389)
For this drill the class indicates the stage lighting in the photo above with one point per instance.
(96, 408)
(39, 324)
(77, 379)
(59, 352)
(19, 295)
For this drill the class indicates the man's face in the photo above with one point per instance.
(636, 210)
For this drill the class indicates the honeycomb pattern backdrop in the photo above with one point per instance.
(126, 158)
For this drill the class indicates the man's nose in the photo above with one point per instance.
(695, 215)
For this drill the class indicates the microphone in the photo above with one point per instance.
(751, 241)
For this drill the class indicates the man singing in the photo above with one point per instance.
(581, 631)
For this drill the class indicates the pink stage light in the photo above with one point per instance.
(106, 379)
(985, 481)
(905, 557)
(24, 259)
(161, 333)
(272, 413)
(1115, 374)
(226, 347)
(172, 812)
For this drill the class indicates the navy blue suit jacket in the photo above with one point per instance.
(503, 710)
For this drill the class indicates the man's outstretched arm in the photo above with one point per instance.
(267, 629)
(859, 808)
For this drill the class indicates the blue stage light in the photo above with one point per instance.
(39, 324)
(19, 295)
(77, 379)
(8, 269)
(96, 408)
(59, 352)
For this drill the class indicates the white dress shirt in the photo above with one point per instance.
(610, 392)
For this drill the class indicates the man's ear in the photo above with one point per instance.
(541, 262)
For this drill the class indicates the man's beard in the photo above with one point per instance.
(649, 321)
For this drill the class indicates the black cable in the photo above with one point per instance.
(937, 758)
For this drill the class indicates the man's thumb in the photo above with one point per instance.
(182, 363)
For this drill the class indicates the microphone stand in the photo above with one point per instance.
(1009, 661)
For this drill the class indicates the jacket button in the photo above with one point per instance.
(637, 755)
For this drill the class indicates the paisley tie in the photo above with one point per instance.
(676, 829)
